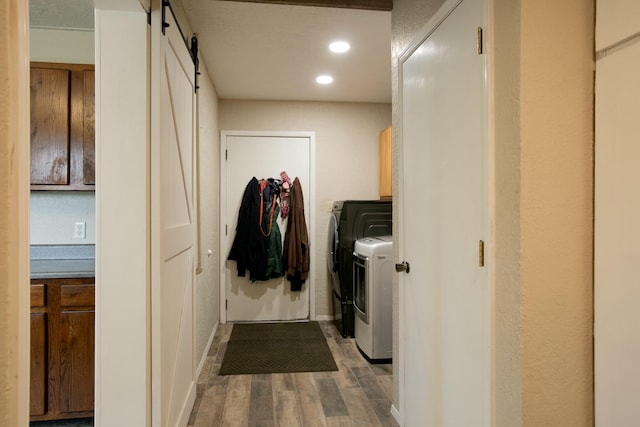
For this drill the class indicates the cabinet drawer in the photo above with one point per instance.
(77, 295)
(38, 295)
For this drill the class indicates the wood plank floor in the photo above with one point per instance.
(359, 394)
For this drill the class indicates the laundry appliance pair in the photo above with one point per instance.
(351, 220)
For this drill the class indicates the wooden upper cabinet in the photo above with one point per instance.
(386, 164)
(89, 120)
(62, 126)
(49, 126)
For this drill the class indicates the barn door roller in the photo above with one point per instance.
(193, 48)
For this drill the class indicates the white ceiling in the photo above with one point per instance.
(273, 51)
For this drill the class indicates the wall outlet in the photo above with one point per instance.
(79, 231)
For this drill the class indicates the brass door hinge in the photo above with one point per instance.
(480, 51)
(481, 253)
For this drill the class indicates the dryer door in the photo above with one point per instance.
(332, 244)
(360, 286)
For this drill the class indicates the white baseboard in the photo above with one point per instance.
(185, 412)
(396, 415)
(207, 347)
(324, 317)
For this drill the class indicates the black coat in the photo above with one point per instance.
(250, 246)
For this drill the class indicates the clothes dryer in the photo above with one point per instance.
(372, 297)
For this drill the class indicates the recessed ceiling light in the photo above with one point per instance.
(324, 80)
(339, 47)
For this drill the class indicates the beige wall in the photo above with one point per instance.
(346, 157)
(207, 296)
(62, 45)
(14, 214)
(556, 192)
(541, 77)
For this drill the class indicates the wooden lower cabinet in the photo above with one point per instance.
(38, 392)
(62, 348)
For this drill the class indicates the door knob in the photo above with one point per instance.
(403, 267)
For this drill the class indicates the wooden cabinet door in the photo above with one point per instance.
(62, 126)
(49, 126)
(88, 121)
(76, 347)
(76, 360)
(386, 165)
(39, 362)
(38, 389)
(62, 348)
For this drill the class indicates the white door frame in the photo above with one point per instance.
(431, 25)
(14, 240)
(310, 216)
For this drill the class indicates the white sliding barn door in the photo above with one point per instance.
(173, 235)
(444, 303)
(262, 155)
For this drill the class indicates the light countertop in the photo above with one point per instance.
(62, 261)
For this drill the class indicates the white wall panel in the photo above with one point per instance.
(617, 209)
(122, 231)
(616, 20)
(53, 214)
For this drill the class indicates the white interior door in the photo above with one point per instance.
(174, 219)
(261, 156)
(444, 306)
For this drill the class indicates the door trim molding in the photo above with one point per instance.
(15, 299)
(310, 216)
(122, 247)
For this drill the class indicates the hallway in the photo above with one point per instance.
(359, 394)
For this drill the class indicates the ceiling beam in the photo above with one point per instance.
(384, 5)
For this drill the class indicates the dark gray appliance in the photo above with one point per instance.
(351, 220)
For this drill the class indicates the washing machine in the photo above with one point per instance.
(372, 297)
